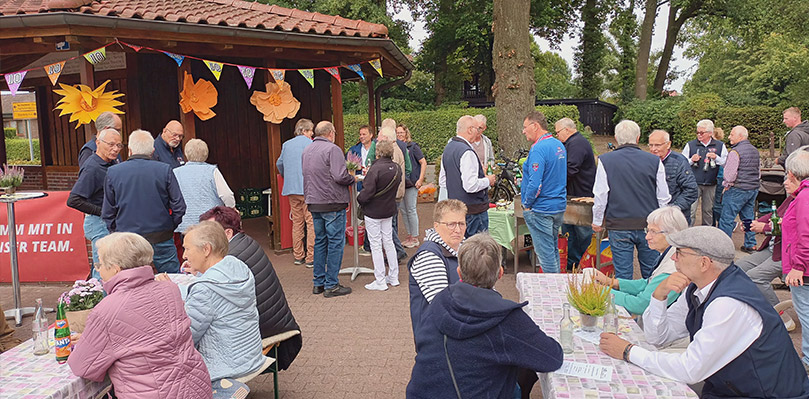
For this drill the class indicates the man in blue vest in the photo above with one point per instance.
(705, 155)
(739, 346)
(741, 181)
(630, 184)
(168, 145)
(463, 175)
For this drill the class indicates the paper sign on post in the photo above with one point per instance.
(586, 370)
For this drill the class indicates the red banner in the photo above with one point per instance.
(50, 240)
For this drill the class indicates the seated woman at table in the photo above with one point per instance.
(139, 333)
(221, 304)
(634, 295)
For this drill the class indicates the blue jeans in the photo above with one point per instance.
(165, 257)
(800, 298)
(623, 244)
(94, 230)
(544, 230)
(330, 240)
(476, 223)
(578, 240)
(408, 208)
(400, 251)
(742, 203)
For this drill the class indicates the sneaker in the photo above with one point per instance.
(337, 290)
(789, 324)
(317, 290)
(310, 265)
(374, 286)
(411, 242)
(298, 261)
(363, 252)
(749, 250)
(392, 281)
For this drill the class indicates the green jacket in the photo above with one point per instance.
(405, 153)
(635, 295)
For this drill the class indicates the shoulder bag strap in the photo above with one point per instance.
(389, 186)
(451, 373)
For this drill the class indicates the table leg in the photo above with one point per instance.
(17, 312)
(356, 269)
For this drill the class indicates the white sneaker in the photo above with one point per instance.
(376, 287)
(393, 282)
(789, 324)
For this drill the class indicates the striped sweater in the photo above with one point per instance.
(428, 270)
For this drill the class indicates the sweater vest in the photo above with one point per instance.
(704, 178)
(477, 202)
(748, 175)
(632, 179)
(199, 191)
(418, 304)
(770, 367)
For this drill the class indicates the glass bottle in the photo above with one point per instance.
(62, 335)
(566, 326)
(611, 316)
(774, 219)
(40, 329)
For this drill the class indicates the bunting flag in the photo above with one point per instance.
(96, 56)
(334, 72)
(309, 75)
(277, 75)
(215, 67)
(247, 73)
(377, 66)
(54, 70)
(176, 57)
(14, 80)
(134, 47)
(356, 68)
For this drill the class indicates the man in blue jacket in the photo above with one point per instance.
(544, 190)
(168, 145)
(682, 184)
(472, 342)
(289, 165)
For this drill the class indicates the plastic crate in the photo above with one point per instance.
(242, 208)
(254, 211)
(249, 196)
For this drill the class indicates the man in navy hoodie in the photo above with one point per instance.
(472, 342)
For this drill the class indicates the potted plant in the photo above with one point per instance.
(353, 162)
(80, 300)
(588, 297)
(10, 179)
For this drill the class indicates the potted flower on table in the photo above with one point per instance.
(80, 300)
(353, 162)
(589, 297)
(10, 178)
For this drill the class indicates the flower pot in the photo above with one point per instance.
(76, 319)
(8, 190)
(588, 323)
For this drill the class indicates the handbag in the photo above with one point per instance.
(360, 213)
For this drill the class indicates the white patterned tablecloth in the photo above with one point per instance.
(546, 293)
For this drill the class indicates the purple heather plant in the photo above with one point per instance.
(353, 161)
(11, 176)
(85, 294)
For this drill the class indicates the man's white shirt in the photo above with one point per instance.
(721, 158)
(469, 172)
(601, 190)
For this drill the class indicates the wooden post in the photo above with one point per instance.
(132, 120)
(369, 80)
(274, 143)
(337, 112)
(187, 120)
(772, 146)
(87, 77)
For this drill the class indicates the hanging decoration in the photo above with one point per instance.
(248, 73)
(377, 64)
(96, 56)
(356, 68)
(276, 103)
(134, 47)
(309, 75)
(199, 97)
(176, 57)
(14, 80)
(84, 104)
(277, 75)
(335, 73)
(215, 67)
(54, 71)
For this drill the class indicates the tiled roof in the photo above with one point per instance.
(233, 13)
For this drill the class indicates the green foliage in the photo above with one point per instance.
(694, 109)
(432, 129)
(624, 28)
(10, 132)
(551, 75)
(17, 152)
(589, 55)
(652, 114)
(759, 120)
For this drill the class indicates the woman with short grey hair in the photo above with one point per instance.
(635, 295)
(201, 183)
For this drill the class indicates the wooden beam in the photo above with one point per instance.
(337, 112)
(87, 77)
(369, 80)
(274, 148)
(187, 119)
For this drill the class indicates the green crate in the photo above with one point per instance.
(255, 210)
(249, 196)
(242, 208)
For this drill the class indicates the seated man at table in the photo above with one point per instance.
(739, 346)
(472, 342)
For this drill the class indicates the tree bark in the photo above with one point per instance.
(644, 48)
(514, 88)
(675, 23)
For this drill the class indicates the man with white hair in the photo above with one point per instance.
(142, 196)
(105, 120)
(463, 177)
(741, 182)
(168, 145)
(630, 184)
(290, 166)
(797, 136)
(739, 346)
(483, 145)
(682, 184)
(705, 154)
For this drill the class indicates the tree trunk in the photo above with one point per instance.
(676, 22)
(438, 78)
(514, 88)
(644, 48)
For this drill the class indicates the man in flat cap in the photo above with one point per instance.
(739, 346)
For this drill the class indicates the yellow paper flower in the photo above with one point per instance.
(85, 104)
(276, 103)
(199, 97)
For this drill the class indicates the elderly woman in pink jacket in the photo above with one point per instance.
(795, 240)
(139, 333)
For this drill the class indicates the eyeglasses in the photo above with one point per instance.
(679, 252)
(701, 132)
(117, 145)
(175, 135)
(454, 225)
(653, 232)
(657, 145)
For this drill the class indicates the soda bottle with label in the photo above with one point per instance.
(774, 219)
(62, 335)
(40, 329)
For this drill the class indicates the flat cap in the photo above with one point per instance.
(708, 241)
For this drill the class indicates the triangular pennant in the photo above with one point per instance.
(54, 70)
(356, 68)
(333, 71)
(277, 74)
(377, 66)
(134, 47)
(247, 73)
(215, 67)
(96, 56)
(176, 57)
(14, 80)
(309, 75)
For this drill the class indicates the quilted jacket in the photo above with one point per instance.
(139, 334)
(274, 315)
(224, 320)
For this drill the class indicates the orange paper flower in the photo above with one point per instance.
(85, 104)
(276, 103)
(198, 97)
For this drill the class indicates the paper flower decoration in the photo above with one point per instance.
(198, 97)
(276, 103)
(85, 104)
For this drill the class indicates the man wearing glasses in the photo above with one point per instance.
(739, 347)
(682, 185)
(105, 120)
(706, 155)
(87, 194)
(167, 146)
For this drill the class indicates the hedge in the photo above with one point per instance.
(17, 152)
(432, 129)
(10, 132)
